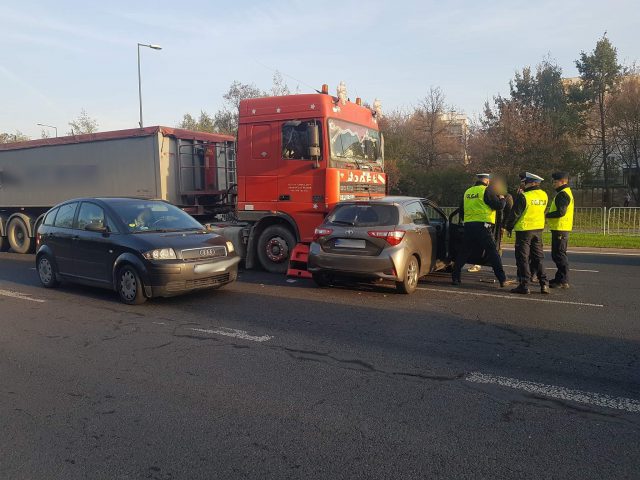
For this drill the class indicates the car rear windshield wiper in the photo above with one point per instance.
(343, 222)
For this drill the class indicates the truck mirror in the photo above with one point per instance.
(314, 140)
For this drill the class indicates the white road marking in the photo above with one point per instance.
(570, 269)
(561, 393)
(232, 332)
(512, 297)
(21, 296)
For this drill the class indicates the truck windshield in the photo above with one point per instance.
(354, 144)
(152, 216)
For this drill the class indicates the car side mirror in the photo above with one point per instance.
(97, 227)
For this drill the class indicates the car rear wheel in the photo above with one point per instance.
(274, 248)
(130, 288)
(47, 272)
(18, 236)
(410, 277)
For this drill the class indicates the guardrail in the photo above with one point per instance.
(607, 221)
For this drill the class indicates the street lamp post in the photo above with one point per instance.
(49, 126)
(154, 47)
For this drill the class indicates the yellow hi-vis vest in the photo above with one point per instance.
(475, 210)
(565, 223)
(533, 216)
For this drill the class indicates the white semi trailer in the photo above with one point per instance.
(193, 170)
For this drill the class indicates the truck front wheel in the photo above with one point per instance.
(18, 236)
(274, 248)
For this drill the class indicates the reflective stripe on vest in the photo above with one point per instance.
(533, 216)
(475, 210)
(565, 223)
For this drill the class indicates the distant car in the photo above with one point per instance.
(393, 238)
(140, 248)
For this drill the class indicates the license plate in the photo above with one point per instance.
(349, 243)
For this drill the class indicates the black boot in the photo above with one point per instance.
(521, 289)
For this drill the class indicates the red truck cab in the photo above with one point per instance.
(297, 156)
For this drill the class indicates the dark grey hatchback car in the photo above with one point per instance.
(392, 238)
(140, 248)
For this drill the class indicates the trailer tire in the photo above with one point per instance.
(274, 248)
(18, 236)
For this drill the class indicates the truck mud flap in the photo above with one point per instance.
(298, 261)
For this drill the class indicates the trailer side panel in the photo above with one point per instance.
(46, 175)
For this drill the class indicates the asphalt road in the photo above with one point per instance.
(270, 378)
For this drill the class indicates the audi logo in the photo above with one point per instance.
(207, 252)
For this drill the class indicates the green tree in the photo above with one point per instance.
(600, 73)
(83, 124)
(624, 116)
(18, 136)
(535, 128)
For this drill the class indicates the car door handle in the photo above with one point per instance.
(76, 237)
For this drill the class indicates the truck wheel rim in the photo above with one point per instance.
(412, 273)
(128, 285)
(45, 271)
(19, 237)
(277, 249)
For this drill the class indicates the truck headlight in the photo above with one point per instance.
(230, 248)
(160, 254)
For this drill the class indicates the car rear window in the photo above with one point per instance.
(368, 215)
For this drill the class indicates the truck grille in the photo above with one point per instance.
(361, 188)
(196, 254)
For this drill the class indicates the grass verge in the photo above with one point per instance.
(595, 240)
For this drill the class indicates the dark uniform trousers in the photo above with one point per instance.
(477, 235)
(559, 241)
(529, 257)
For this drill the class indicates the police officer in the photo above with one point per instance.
(478, 212)
(560, 220)
(527, 219)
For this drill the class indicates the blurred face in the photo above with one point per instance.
(559, 183)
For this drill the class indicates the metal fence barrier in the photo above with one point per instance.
(623, 221)
(607, 221)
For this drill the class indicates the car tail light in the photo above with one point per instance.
(392, 237)
(321, 232)
(38, 239)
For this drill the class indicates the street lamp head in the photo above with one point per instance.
(155, 47)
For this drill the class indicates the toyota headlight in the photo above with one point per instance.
(230, 248)
(160, 254)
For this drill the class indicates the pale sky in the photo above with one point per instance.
(57, 58)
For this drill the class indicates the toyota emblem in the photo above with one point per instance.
(348, 232)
